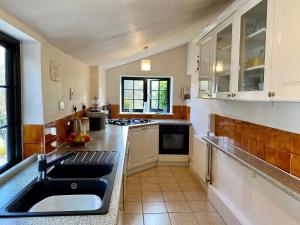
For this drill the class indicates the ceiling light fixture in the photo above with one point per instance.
(146, 63)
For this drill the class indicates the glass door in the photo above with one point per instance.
(252, 49)
(206, 67)
(223, 61)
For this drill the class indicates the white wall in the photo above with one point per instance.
(74, 74)
(169, 63)
(32, 95)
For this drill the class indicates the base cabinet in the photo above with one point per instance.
(143, 148)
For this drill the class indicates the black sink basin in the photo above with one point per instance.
(89, 178)
(80, 171)
(39, 190)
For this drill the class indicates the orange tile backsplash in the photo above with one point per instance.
(277, 147)
(179, 112)
(46, 138)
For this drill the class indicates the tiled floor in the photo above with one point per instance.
(168, 196)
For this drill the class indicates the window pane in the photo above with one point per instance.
(163, 104)
(154, 85)
(138, 94)
(2, 66)
(154, 95)
(128, 94)
(3, 110)
(163, 95)
(128, 84)
(154, 104)
(128, 104)
(3, 146)
(139, 84)
(163, 85)
(138, 104)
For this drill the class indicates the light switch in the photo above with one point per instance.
(61, 105)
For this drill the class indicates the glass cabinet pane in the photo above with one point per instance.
(252, 49)
(205, 68)
(223, 60)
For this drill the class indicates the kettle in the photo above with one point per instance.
(76, 125)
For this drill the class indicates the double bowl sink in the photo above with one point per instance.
(74, 187)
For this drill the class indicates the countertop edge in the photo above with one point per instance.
(271, 179)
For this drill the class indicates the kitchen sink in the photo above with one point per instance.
(70, 188)
(80, 171)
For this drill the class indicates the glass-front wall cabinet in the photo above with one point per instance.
(206, 67)
(252, 48)
(223, 60)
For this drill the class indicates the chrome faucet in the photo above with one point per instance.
(43, 164)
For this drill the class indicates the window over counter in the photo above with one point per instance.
(146, 94)
(10, 102)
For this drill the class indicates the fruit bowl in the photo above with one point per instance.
(78, 139)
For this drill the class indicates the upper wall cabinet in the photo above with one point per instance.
(223, 82)
(286, 46)
(192, 58)
(254, 23)
(206, 65)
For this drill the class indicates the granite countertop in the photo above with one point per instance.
(113, 138)
(162, 122)
(277, 177)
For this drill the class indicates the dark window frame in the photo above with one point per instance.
(158, 99)
(145, 94)
(123, 89)
(13, 87)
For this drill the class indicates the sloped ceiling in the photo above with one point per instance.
(109, 32)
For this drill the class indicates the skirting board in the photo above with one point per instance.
(228, 212)
(202, 182)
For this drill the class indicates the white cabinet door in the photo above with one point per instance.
(286, 60)
(224, 64)
(143, 147)
(254, 29)
(136, 148)
(151, 144)
(206, 66)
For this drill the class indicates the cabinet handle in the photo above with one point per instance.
(271, 94)
(229, 95)
(233, 95)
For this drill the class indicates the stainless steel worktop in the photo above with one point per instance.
(279, 178)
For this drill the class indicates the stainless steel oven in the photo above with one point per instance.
(174, 139)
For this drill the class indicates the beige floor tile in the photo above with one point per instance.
(186, 179)
(211, 218)
(178, 207)
(133, 187)
(173, 196)
(133, 207)
(150, 187)
(162, 168)
(154, 207)
(167, 180)
(195, 195)
(157, 219)
(135, 196)
(170, 187)
(148, 180)
(190, 187)
(148, 173)
(164, 174)
(132, 219)
(132, 180)
(201, 206)
(183, 219)
(179, 168)
(152, 197)
(182, 174)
